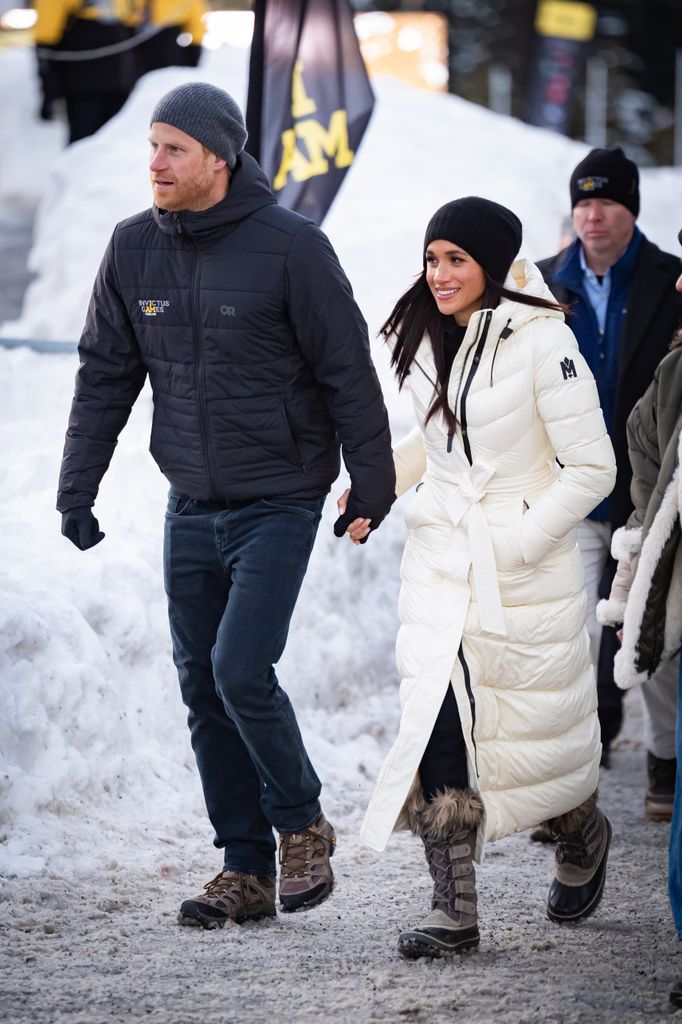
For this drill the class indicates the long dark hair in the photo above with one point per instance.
(416, 312)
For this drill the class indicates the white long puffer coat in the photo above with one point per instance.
(492, 599)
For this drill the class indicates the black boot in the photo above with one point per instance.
(583, 837)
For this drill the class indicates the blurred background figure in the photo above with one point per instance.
(93, 88)
(178, 31)
(110, 44)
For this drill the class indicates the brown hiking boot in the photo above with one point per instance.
(230, 896)
(306, 876)
(448, 827)
(581, 856)
(660, 794)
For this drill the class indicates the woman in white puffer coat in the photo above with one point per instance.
(499, 727)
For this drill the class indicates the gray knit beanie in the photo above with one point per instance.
(208, 114)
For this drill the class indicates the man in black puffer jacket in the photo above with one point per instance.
(259, 363)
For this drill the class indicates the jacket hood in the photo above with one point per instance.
(511, 315)
(249, 191)
(525, 277)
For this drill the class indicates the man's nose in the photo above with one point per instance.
(156, 160)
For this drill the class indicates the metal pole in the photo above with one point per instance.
(596, 101)
(500, 89)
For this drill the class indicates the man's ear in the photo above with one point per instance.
(219, 163)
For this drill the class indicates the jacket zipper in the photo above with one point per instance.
(465, 390)
(200, 374)
(472, 702)
(503, 335)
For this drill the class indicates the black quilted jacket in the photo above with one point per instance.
(256, 352)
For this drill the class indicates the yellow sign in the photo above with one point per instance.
(564, 19)
(318, 142)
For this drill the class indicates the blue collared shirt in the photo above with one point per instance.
(598, 292)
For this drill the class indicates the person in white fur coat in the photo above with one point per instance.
(499, 727)
(646, 595)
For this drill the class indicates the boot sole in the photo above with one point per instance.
(192, 917)
(596, 899)
(294, 904)
(655, 814)
(415, 944)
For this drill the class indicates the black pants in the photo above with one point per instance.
(87, 114)
(444, 764)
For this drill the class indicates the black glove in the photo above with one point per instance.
(81, 528)
(351, 513)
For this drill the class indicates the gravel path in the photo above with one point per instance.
(90, 950)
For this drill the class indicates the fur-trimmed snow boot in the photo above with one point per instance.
(447, 825)
(583, 837)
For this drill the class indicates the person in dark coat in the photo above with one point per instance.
(258, 357)
(646, 595)
(624, 310)
(93, 85)
(173, 31)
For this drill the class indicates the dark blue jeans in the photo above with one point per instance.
(232, 579)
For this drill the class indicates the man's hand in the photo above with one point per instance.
(357, 527)
(81, 528)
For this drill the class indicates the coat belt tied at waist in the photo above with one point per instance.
(463, 503)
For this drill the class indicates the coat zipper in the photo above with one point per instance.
(200, 373)
(465, 390)
(472, 703)
(464, 366)
(503, 335)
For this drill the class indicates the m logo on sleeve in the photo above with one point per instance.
(568, 368)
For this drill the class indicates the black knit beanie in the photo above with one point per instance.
(606, 174)
(208, 114)
(490, 233)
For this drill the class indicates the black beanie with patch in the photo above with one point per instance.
(490, 233)
(607, 174)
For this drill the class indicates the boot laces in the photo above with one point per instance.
(296, 852)
(442, 871)
(229, 888)
(571, 847)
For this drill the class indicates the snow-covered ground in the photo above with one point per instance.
(102, 824)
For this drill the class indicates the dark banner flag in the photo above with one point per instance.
(564, 29)
(309, 99)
